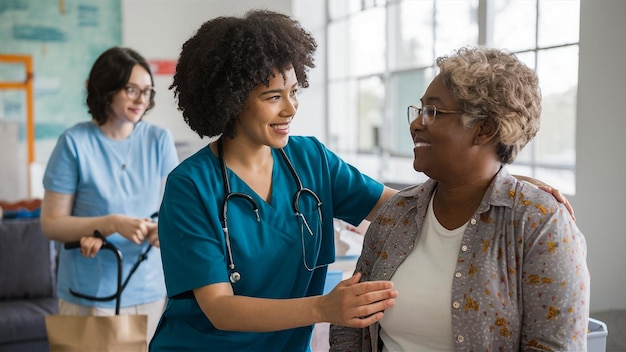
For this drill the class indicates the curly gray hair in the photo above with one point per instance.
(495, 86)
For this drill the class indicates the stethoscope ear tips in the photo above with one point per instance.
(234, 277)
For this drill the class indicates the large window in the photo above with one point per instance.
(381, 57)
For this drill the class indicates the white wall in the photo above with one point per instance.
(169, 23)
(10, 160)
(157, 29)
(600, 202)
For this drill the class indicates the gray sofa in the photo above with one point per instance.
(27, 285)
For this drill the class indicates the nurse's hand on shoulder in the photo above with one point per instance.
(547, 188)
(357, 304)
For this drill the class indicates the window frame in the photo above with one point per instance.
(557, 172)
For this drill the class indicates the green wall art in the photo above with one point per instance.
(63, 37)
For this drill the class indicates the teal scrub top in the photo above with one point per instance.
(270, 254)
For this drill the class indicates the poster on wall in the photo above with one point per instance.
(62, 39)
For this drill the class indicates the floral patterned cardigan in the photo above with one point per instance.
(522, 280)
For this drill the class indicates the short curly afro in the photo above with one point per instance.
(228, 57)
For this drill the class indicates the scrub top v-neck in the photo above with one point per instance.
(268, 254)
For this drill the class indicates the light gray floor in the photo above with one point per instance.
(615, 321)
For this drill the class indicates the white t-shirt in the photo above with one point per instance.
(421, 319)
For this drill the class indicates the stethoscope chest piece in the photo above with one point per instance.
(234, 277)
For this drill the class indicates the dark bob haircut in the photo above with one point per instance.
(228, 57)
(109, 74)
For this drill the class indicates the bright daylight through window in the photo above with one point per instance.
(381, 56)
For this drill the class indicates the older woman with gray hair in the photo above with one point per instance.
(481, 260)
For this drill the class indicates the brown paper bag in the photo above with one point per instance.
(116, 333)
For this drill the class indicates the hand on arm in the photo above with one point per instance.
(350, 303)
(355, 304)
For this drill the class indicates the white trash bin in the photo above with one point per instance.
(596, 336)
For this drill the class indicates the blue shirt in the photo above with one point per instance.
(108, 176)
(268, 254)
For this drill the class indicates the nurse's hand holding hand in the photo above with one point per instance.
(357, 304)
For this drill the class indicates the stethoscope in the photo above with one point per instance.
(235, 276)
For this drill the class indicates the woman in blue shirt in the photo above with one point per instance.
(107, 174)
